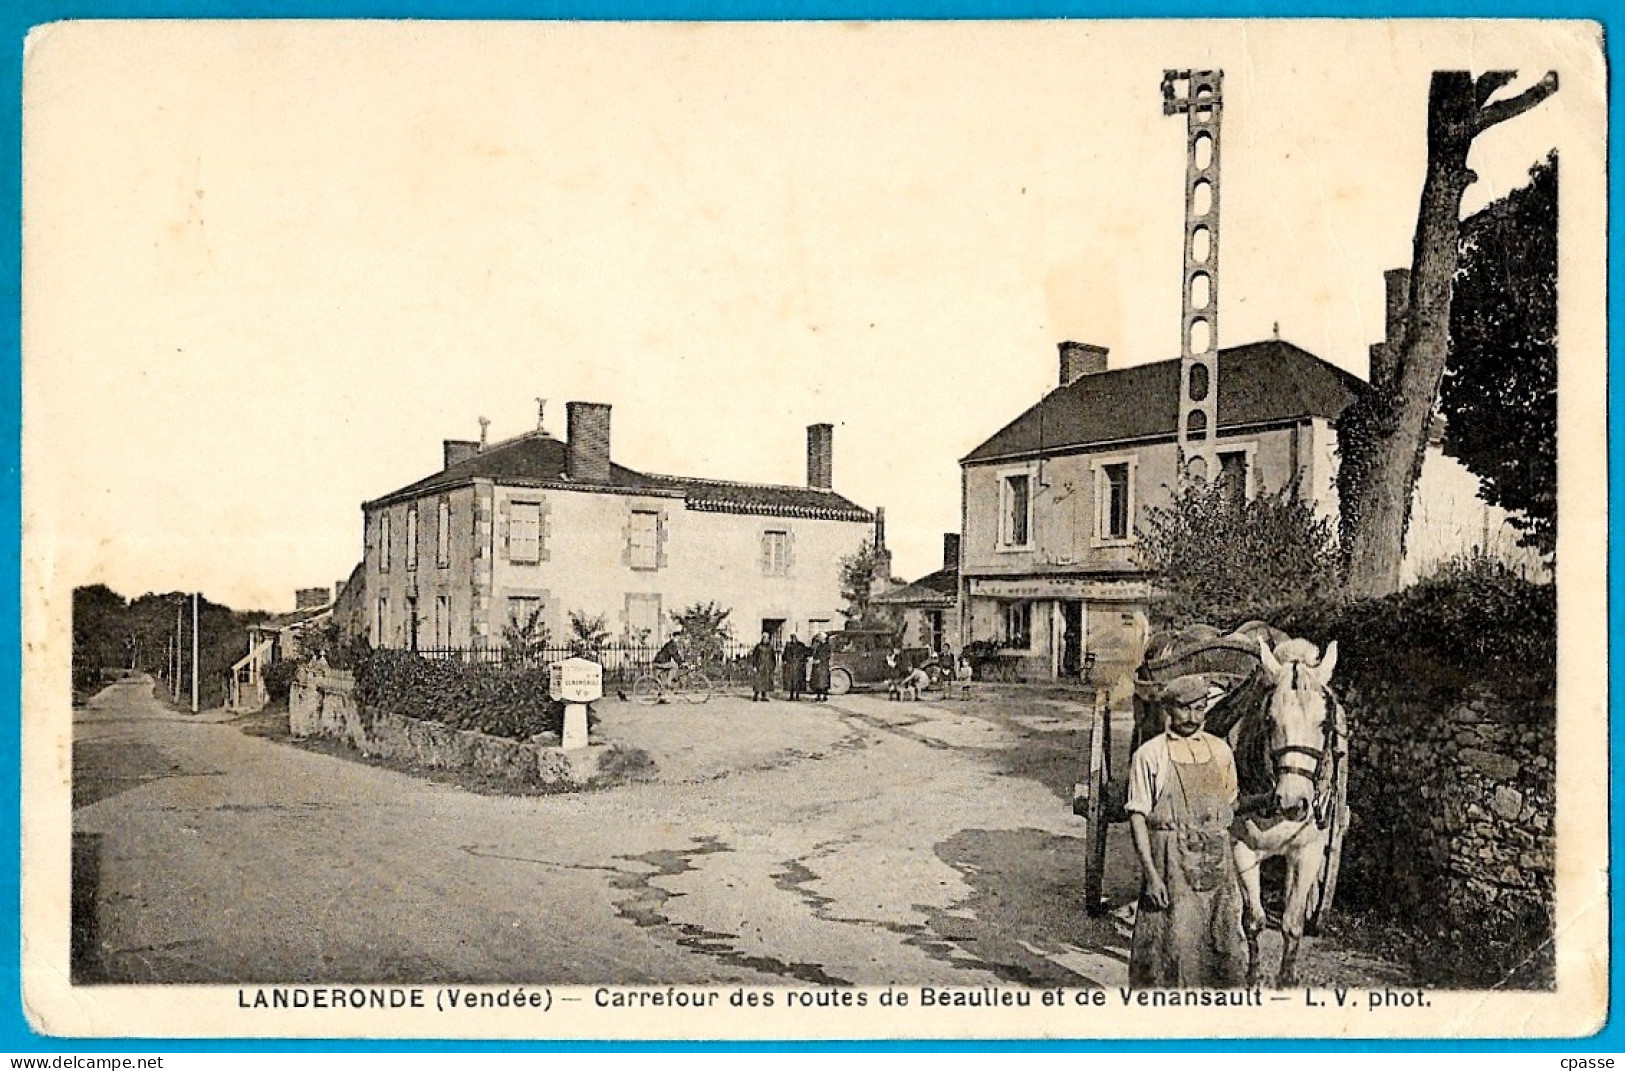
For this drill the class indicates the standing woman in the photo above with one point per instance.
(795, 667)
(763, 661)
(818, 675)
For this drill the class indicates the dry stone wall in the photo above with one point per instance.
(1454, 808)
(322, 703)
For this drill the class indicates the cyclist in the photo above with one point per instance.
(668, 660)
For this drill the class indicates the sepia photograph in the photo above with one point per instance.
(959, 530)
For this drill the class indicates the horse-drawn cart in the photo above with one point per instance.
(1242, 676)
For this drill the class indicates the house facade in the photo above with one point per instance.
(513, 537)
(1051, 502)
(277, 639)
(926, 612)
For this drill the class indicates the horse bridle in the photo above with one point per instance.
(1329, 733)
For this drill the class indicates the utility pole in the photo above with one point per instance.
(1198, 96)
(194, 652)
(175, 680)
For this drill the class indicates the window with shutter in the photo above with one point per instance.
(1114, 501)
(643, 619)
(775, 553)
(442, 535)
(1015, 510)
(644, 552)
(386, 542)
(525, 533)
(442, 621)
(412, 537)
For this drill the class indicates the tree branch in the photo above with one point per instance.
(1502, 110)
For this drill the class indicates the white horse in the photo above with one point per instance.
(1306, 736)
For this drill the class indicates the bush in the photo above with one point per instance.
(506, 701)
(278, 678)
(703, 631)
(1450, 633)
(1223, 559)
(340, 651)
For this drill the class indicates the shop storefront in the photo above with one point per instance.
(1048, 626)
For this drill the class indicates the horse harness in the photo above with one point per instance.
(1323, 775)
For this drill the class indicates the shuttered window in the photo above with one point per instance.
(644, 535)
(775, 553)
(442, 535)
(525, 533)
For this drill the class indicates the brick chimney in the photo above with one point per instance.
(1079, 359)
(950, 552)
(820, 456)
(882, 558)
(458, 450)
(587, 445)
(309, 598)
(1397, 302)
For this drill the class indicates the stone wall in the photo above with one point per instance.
(321, 703)
(1453, 808)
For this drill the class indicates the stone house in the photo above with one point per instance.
(531, 529)
(1052, 500)
(925, 612)
(277, 639)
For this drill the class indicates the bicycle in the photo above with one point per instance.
(688, 684)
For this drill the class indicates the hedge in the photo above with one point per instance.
(507, 701)
(1447, 635)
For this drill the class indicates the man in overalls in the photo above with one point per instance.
(1181, 797)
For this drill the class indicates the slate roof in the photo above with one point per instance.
(538, 460)
(938, 589)
(1259, 383)
(297, 617)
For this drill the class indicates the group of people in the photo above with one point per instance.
(803, 669)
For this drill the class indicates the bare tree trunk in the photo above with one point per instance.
(1382, 436)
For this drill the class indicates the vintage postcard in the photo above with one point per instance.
(842, 531)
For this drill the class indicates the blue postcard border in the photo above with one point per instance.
(17, 18)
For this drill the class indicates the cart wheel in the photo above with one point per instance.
(840, 682)
(1090, 803)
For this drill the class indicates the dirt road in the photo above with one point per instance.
(858, 841)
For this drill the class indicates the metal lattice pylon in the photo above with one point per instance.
(1198, 95)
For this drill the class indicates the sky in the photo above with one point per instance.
(269, 267)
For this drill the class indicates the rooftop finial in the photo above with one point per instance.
(1277, 330)
(485, 427)
(541, 414)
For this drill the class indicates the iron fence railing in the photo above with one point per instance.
(623, 663)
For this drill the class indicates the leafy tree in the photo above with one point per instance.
(703, 630)
(1382, 435)
(1222, 559)
(108, 631)
(99, 632)
(1499, 396)
(589, 633)
(858, 586)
